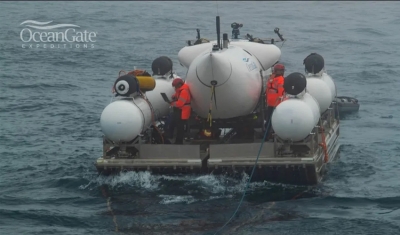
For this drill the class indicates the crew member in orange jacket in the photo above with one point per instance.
(181, 107)
(274, 91)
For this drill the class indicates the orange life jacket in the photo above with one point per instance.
(183, 101)
(274, 90)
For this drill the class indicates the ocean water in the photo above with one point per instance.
(51, 100)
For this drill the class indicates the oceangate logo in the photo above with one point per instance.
(37, 34)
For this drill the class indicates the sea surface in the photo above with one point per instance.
(51, 100)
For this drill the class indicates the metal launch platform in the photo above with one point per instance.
(303, 162)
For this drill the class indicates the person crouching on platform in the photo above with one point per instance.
(274, 93)
(181, 107)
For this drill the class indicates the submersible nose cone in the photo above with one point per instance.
(214, 69)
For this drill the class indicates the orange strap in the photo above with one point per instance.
(323, 144)
(138, 72)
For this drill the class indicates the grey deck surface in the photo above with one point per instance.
(167, 151)
(229, 151)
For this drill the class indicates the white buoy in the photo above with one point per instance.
(313, 103)
(321, 92)
(123, 120)
(328, 79)
(293, 119)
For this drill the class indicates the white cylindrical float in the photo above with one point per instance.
(123, 120)
(314, 66)
(313, 103)
(329, 81)
(295, 117)
(320, 91)
(161, 108)
(163, 74)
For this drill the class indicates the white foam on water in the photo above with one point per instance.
(199, 188)
(172, 199)
(142, 180)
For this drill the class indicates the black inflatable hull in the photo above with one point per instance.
(347, 104)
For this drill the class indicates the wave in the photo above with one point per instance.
(53, 26)
(35, 22)
(47, 26)
(43, 86)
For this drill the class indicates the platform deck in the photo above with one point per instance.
(199, 157)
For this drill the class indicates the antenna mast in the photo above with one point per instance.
(218, 33)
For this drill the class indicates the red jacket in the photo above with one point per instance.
(183, 99)
(274, 90)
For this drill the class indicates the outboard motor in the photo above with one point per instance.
(162, 65)
(313, 63)
(235, 29)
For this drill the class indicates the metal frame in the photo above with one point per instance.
(284, 148)
(122, 153)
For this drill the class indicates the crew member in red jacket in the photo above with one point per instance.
(274, 91)
(181, 107)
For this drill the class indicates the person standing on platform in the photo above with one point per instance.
(182, 108)
(274, 92)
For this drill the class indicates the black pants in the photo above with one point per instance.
(170, 125)
(179, 124)
(268, 116)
